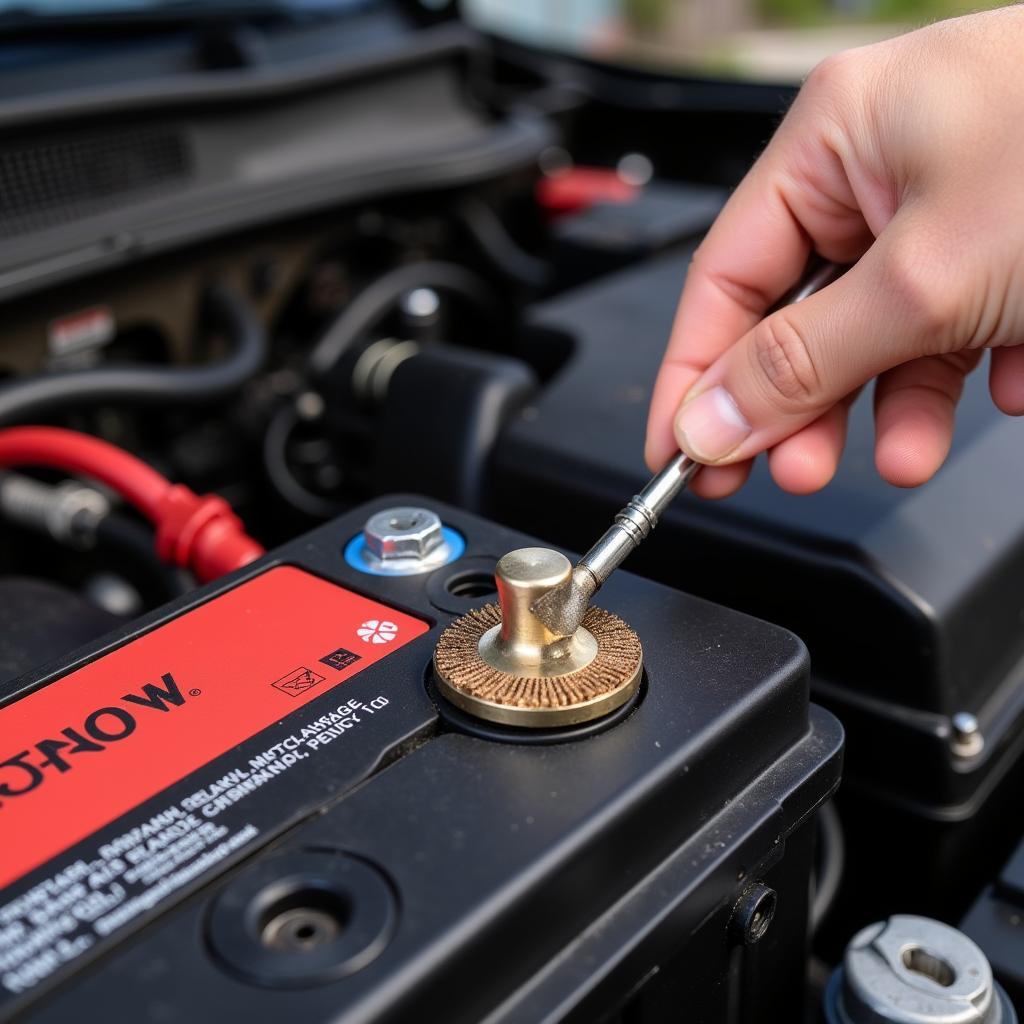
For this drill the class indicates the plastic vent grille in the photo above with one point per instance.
(50, 182)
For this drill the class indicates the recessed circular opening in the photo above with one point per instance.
(920, 961)
(403, 523)
(471, 585)
(761, 918)
(304, 921)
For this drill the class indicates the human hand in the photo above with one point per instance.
(907, 157)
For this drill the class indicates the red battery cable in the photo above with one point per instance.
(196, 532)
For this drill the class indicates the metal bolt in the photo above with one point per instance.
(966, 734)
(753, 914)
(404, 541)
(403, 533)
(69, 511)
(913, 970)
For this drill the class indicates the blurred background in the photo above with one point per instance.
(768, 40)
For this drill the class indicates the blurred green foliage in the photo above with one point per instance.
(824, 12)
(646, 15)
(794, 12)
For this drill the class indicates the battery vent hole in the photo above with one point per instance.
(304, 921)
(471, 585)
(920, 961)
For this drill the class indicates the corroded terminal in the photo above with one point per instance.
(520, 641)
(501, 663)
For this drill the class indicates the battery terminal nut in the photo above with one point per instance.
(404, 541)
(403, 533)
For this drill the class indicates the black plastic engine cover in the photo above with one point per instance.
(449, 877)
(996, 923)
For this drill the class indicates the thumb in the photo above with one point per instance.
(804, 358)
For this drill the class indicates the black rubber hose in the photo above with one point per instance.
(279, 472)
(831, 861)
(29, 398)
(379, 297)
(134, 540)
(499, 247)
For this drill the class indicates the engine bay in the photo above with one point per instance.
(288, 277)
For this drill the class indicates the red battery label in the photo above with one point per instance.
(80, 752)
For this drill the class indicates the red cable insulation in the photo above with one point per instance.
(72, 452)
(199, 533)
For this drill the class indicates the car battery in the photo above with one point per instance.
(254, 805)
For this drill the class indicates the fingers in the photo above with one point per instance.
(715, 482)
(895, 304)
(673, 381)
(915, 404)
(801, 464)
(1006, 379)
(915, 407)
(796, 197)
(807, 461)
(914, 410)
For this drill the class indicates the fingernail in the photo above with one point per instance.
(711, 426)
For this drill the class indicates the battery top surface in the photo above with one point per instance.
(277, 730)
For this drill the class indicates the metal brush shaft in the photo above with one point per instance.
(634, 523)
(817, 277)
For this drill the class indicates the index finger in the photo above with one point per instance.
(796, 198)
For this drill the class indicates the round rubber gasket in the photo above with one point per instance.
(329, 882)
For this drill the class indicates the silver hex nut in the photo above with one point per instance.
(403, 533)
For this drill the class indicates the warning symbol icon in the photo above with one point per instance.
(298, 681)
(340, 659)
